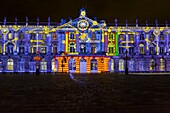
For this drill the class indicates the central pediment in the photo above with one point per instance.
(82, 23)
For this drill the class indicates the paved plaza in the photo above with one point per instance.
(85, 93)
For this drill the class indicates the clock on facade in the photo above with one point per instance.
(83, 25)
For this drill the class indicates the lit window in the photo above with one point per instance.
(43, 65)
(93, 64)
(141, 49)
(111, 36)
(43, 36)
(152, 64)
(0, 48)
(43, 49)
(131, 37)
(162, 64)
(152, 37)
(111, 49)
(54, 64)
(162, 37)
(21, 35)
(54, 36)
(10, 64)
(121, 36)
(121, 65)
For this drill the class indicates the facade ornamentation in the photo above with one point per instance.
(84, 45)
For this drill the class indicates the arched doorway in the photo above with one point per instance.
(43, 65)
(94, 66)
(72, 65)
(54, 65)
(111, 65)
(83, 66)
(10, 64)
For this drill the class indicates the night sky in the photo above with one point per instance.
(101, 9)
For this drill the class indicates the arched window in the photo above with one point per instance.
(162, 37)
(21, 35)
(43, 65)
(162, 49)
(121, 65)
(141, 49)
(10, 35)
(151, 49)
(162, 64)
(152, 64)
(152, 37)
(10, 64)
(141, 36)
(10, 48)
(54, 65)
(83, 66)
(94, 64)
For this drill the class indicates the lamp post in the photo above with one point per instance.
(126, 64)
(126, 57)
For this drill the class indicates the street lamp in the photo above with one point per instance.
(126, 65)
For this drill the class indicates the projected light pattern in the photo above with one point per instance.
(83, 45)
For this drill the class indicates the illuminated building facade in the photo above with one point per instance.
(83, 45)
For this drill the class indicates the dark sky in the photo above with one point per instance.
(102, 9)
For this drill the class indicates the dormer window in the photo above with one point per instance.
(162, 37)
(142, 36)
(152, 37)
